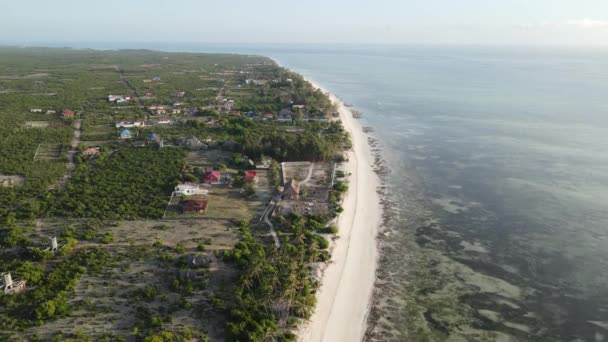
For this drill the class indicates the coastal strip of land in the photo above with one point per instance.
(348, 281)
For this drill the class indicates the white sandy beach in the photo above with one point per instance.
(348, 281)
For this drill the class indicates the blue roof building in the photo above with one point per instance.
(125, 134)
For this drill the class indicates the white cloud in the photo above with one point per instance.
(585, 23)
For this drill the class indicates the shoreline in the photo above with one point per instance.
(347, 285)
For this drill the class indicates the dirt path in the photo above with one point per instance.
(307, 179)
(71, 154)
(270, 225)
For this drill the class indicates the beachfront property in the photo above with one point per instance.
(189, 189)
(292, 190)
(198, 206)
(319, 117)
(306, 188)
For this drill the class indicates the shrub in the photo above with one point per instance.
(107, 238)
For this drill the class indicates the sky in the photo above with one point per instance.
(459, 22)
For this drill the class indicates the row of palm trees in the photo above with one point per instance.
(275, 285)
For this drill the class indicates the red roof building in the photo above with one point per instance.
(194, 206)
(251, 176)
(91, 151)
(68, 113)
(212, 177)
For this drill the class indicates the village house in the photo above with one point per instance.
(127, 124)
(292, 190)
(254, 82)
(229, 145)
(155, 107)
(91, 151)
(7, 182)
(118, 98)
(180, 93)
(212, 177)
(153, 138)
(68, 113)
(319, 117)
(177, 103)
(176, 111)
(36, 110)
(164, 121)
(9, 286)
(192, 143)
(191, 111)
(51, 111)
(286, 115)
(268, 116)
(298, 105)
(125, 134)
(194, 206)
(251, 176)
(189, 189)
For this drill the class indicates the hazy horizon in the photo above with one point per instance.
(391, 22)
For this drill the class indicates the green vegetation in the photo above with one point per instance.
(129, 183)
(131, 180)
(49, 299)
(274, 284)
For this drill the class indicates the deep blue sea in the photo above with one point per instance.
(498, 189)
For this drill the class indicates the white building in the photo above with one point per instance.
(127, 124)
(189, 189)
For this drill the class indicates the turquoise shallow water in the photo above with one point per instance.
(498, 190)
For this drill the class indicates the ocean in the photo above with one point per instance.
(497, 194)
(497, 191)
